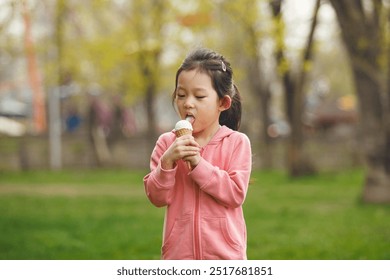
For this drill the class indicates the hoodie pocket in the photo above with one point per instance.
(177, 244)
(218, 242)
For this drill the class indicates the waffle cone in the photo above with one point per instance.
(182, 132)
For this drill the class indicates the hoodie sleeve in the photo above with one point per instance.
(228, 187)
(159, 182)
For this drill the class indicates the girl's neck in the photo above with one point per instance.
(204, 137)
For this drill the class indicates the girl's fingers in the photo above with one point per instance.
(189, 150)
(185, 151)
(184, 146)
(187, 140)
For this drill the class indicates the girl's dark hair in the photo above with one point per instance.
(221, 74)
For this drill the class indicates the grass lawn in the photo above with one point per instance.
(105, 214)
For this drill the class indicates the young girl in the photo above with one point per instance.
(204, 217)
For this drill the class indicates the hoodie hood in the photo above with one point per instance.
(222, 132)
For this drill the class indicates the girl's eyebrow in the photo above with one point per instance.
(200, 89)
(197, 89)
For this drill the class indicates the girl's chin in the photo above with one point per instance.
(195, 132)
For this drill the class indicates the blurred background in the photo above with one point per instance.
(85, 90)
(88, 84)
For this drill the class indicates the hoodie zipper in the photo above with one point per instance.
(196, 225)
(197, 246)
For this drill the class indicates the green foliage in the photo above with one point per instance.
(105, 214)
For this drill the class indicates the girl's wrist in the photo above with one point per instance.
(166, 164)
(195, 163)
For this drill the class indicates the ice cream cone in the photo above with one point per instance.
(183, 131)
(184, 127)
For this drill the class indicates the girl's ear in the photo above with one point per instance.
(225, 103)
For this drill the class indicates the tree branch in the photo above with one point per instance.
(308, 53)
(9, 17)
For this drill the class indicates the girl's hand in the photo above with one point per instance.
(184, 147)
(193, 160)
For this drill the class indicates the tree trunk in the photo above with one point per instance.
(38, 100)
(149, 65)
(374, 140)
(150, 94)
(150, 43)
(261, 90)
(362, 36)
(297, 161)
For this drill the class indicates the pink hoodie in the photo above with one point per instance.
(204, 217)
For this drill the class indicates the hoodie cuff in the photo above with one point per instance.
(165, 177)
(202, 173)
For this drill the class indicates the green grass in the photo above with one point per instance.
(105, 214)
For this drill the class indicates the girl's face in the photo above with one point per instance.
(197, 99)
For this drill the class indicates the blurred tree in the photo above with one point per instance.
(149, 47)
(125, 53)
(9, 9)
(118, 48)
(365, 29)
(39, 108)
(293, 82)
(247, 17)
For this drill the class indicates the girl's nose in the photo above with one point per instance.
(188, 102)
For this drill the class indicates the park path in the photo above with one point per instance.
(70, 190)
